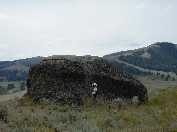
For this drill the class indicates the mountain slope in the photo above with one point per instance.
(18, 69)
(158, 58)
(161, 56)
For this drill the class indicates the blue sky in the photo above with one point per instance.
(98, 27)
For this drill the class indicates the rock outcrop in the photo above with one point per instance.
(70, 78)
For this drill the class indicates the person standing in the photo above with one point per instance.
(95, 90)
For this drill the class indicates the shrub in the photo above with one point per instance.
(10, 86)
(3, 90)
(22, 86)
(3, 114)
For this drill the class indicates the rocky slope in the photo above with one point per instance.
(70, 79)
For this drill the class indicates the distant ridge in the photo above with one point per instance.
(18, 69)
(160, 57)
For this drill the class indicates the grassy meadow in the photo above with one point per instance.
(159, 114)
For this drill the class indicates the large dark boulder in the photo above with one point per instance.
(70, 78)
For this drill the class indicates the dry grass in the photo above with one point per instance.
(160, 113)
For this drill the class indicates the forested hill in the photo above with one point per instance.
(161, 56)
(18, 69)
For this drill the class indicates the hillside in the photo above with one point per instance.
(18, 69)
(160, 57)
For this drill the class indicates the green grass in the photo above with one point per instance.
(160, 113)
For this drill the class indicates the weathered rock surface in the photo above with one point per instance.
(69, 79)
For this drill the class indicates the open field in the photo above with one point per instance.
(159, 114)
(154, 85)
(12, 96)
(10, 87)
